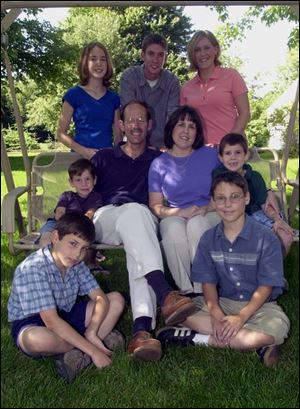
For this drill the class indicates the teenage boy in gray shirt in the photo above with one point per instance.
(153, 84)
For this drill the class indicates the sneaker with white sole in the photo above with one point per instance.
(176, 336)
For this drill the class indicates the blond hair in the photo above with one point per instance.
(193, 44)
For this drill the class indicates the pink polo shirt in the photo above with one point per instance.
(214, 100)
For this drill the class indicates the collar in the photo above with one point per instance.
(213, 76)
(47, 253)
(148, 154)
(143, 81)
(245, 233)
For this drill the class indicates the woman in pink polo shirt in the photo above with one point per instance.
(219, 94)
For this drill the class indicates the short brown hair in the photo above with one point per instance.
(193, 43)
(76, 223)
(232, 178)
(233, 139)
(79, 166)
(83, 64)
(154, 39)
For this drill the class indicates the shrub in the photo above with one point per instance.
(12, 141)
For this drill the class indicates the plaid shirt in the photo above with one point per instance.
(38, 286)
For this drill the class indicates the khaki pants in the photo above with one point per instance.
(134, 226)
(269, 318)
(180, 238)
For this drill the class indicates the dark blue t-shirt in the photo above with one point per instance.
(121, 179)
(93, 118)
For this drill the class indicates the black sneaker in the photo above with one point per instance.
(69, 365)
(176, 336)
(269, 355)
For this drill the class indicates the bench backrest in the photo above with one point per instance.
(49, 179)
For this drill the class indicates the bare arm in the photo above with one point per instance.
(101, 306)
(118, 135)
(243, 108)
(216, 313)
(62, 133)
(270, 207)
(59, 212)
(271, 204)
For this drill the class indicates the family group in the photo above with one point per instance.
(164, 172)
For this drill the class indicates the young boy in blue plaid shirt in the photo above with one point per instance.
(47, 317)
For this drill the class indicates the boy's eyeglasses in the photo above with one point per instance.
(233, 198)
(135, 120)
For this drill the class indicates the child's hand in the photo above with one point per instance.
(217, 327)
(95, 340)
(231, 326)
(100, 359)
(281, 224)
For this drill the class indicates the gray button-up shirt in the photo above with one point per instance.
(162, 99)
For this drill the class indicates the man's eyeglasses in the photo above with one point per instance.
(233, 198)
(135, 120)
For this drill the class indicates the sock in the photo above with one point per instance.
(201, 339)
(142, 324)
(156, 280)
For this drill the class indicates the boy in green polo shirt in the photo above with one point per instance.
(233, 153)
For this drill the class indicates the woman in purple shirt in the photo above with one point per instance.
(179, 192)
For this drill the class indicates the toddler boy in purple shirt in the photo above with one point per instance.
(82, 177)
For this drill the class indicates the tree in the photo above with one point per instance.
(35, 49)
(120, 29)
(267, 14)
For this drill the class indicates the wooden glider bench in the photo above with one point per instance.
(49, 178)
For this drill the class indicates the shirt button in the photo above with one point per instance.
(241, 296)
(231, 268)
(230, 250)
(238, 284)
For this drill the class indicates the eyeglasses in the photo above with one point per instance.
(131, 121)
(233, 198)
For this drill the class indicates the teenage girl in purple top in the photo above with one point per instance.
(93, 107)
(179, 192)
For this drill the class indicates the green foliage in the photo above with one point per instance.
(12, 141)
(122, 31)
(35, 49)
(288, 72)
(257, 131)
(280, 118)
(268, 15)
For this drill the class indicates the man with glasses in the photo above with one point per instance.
(122, 180)
(239, 264)
(153, 84)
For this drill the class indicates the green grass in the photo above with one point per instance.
(190, 377)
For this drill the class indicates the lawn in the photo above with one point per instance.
(192, 377)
